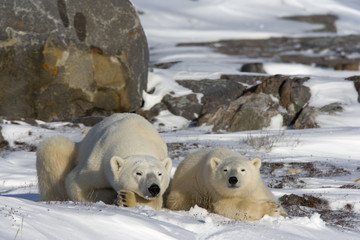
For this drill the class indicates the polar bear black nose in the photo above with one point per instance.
(154, 190)
(233, 180)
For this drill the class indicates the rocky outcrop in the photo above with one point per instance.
(291, 93)
(328, 51)
(66, 59)
(327, 20)
(239, 102)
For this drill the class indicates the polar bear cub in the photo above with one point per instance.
(123, 154)
(224, 182)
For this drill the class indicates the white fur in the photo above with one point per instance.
(55, 159)
(109, 158)
(203, 179)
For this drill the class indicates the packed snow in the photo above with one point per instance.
(335, 144)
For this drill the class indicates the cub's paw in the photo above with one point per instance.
(126, 199)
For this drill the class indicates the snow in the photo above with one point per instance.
(167, 23)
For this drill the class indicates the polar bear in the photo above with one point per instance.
(223, 182)
(123, 154)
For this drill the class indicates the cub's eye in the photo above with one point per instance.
(160, 174)
(139, 173)
(243, 170)
(225, 170)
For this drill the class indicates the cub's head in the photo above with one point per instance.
(233, 176)
(144, 175)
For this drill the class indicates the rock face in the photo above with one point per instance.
(241, 102)
(66, 59)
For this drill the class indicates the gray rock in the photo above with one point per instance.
(307, 118)
(291, 92)
(185, 106)
(253, 68)
(328, 20)
(270, 85)
(294, 95)
(215, 92)
(245, 79)
(151, 114)
(332, 108)
(249, 112)
(356, 80)
(66, 59)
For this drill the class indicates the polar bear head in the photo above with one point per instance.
(146, 176)
(234, 176)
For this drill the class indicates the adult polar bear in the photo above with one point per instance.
(123, 153)
(224, 182)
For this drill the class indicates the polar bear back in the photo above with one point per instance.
(120, 135)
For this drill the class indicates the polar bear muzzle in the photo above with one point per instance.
(233, 180)
(154, 190)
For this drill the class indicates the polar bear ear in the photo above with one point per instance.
(116, 163)
(214, 162)
(168, 164)
(256, 162)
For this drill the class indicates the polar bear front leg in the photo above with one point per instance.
(179, 200)
(130, 199)
(248, 211)
(80, 188)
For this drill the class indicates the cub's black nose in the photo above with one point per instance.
(154, 190)
(233, 180)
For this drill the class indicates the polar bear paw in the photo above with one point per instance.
(126, 199)
(273, 209)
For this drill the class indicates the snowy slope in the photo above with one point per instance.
(167, 23)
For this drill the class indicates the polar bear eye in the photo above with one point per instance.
(225, 170)
(243, 170)
(160, 174)
(139, 173)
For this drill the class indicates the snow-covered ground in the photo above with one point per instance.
(335, 145)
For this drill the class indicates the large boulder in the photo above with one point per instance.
(66, 59)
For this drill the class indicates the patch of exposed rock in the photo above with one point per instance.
(240, 102)
(330, 52)
(66, 59)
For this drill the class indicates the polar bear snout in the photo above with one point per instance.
(154, 190)
(233, 180)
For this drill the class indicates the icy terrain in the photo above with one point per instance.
(323, 162)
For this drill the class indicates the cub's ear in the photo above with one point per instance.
(116, 163)
(256, 162)
(214, 162)
(168, 164)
